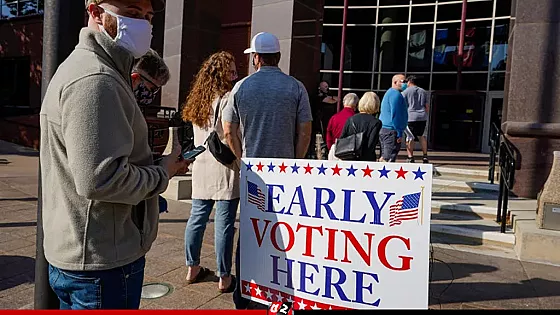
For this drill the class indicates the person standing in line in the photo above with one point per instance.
(365, 122)
(394, 117)
(418, 108)
(149, 74)
(326, 107)
(272, 111)
(101, 217)
(213, 182)
(337, 122)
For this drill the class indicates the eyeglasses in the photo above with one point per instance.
(152, 83)
(403, 81)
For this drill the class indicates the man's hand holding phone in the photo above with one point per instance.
(174, 164)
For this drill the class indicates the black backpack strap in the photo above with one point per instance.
(217, 111)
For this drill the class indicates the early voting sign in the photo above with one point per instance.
(335, 234)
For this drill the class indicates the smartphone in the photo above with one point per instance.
(192, 154)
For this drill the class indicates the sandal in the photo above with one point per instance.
(200, 276)
(231, 287)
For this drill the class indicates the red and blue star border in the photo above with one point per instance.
(306, 168)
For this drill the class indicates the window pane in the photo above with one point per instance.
(351, 2)
(444, 81)
(503, 7)
(361, 16)
(9, 9)
(420, 48)
(393, 15)
(481, 9)
(445, 47)
(476, 49)
(391, 45)
(423, 1)
(27, 7)
(471, 81)
(351, 80)
(359, 48)
(385, 81)
(449, 12)
(393, 2)
(497, 81)
(474, 81)
(332, 16)
(500, 48)
(423, 14)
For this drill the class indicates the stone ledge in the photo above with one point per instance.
(537, 245)
(179, 188)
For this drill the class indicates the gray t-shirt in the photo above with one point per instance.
(268, 105)
(417, 98)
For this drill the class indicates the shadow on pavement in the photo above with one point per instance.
(444, 287)
(493, 291)
(442, 271)
(15, 271)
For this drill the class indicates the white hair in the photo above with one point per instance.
(351, 99)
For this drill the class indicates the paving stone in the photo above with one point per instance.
(14, 244)
(218, 304)
(181, 299)
(158, 267)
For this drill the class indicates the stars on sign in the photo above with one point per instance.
(265, 294)
(329, 170)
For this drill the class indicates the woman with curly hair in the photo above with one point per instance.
(213, 182)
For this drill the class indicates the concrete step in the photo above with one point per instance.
(464, 184)
(477, 230)
(454, 171)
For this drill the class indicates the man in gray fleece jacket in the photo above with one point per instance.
(100, 184)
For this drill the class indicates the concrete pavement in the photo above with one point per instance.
(463, 276)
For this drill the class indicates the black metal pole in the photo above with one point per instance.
(62, 22)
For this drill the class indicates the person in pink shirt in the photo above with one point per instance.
(336, 123)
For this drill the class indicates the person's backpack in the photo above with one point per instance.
(350, 148)
(221, 152)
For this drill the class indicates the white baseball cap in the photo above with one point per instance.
(264, 43)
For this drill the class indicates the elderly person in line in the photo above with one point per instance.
(366, 122)
(336, 123)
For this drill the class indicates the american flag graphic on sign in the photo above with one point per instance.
(255, 195)
(405, 209)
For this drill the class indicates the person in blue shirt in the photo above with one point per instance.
(394, 119)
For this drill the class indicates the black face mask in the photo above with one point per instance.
(144, 96)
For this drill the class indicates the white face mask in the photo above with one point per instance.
(134, 35)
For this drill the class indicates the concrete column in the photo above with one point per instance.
(275, 17)
(298, 26)
(531, 118)
(192, 33)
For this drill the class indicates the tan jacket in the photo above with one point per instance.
(100, 187)
(211, 179)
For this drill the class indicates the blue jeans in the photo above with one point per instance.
(118, 288)
(223, 237)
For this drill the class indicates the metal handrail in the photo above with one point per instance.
(507, 164)
(494, 143)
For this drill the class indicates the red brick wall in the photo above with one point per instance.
(24, 37)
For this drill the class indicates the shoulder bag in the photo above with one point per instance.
(350, 148)
(221, 152)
